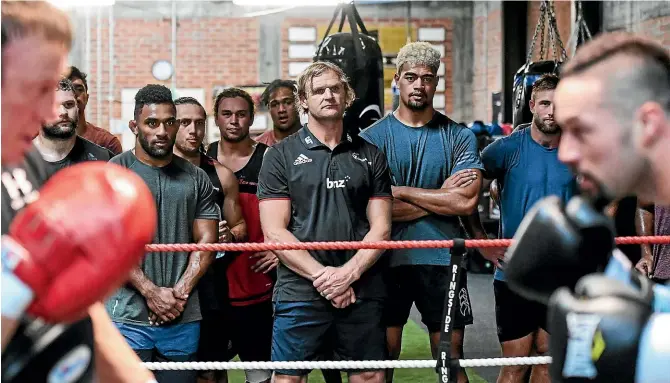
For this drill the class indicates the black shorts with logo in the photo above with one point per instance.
(426, 286)
(516, 316)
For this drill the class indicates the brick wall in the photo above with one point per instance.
(563, 10)
(214, 51)
(487, 68)
(210, 52)
(657, 29)
(487, 24)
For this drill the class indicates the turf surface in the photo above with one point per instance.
(415, 345)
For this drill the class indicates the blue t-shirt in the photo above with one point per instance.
(526, 172)
(424, 157)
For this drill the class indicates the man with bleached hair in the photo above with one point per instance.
(436, 172)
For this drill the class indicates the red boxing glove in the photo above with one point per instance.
(81, 238)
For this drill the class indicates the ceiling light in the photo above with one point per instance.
(69, 4)
(291, 3)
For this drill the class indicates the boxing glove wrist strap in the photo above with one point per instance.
(16, 295)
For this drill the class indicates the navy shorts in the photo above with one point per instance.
(315, 330)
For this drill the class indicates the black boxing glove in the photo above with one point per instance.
(555, 246)
(595, 333)
(41, 352)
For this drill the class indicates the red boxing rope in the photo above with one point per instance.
(355, 245)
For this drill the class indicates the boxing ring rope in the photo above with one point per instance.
(355, 245)
(343, 365)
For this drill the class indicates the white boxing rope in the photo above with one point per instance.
(343, 365)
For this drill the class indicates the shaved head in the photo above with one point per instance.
(613, 103)
(633, 69)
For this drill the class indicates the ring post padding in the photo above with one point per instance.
(447, 369)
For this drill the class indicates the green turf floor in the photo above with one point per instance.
(415, 345)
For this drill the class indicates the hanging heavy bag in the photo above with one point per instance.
(526, 76)
(360, 57)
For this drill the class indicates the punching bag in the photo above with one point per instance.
(526, 76)
(359, 56)
(524, 79)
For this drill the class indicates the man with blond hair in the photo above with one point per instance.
(436, 173)
(321, 184)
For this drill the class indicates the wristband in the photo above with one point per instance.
(221, 254)
(16, 295)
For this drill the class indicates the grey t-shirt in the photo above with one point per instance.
(183, 193)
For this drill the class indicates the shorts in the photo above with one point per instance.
(315, 330)
(171, 343)
(215, 343)
(516, 316)
(244, 331)
(426, 286)
(169, 340)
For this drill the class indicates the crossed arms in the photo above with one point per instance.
(457, 196)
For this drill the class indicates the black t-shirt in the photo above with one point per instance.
(70, 352)
(83, 150)
(329, 192)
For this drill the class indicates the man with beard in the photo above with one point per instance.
(58, 142)
(85, 129)
(436, 174)
(321, 184)
(158, 311)
(279, 97)
(249, 311)
(613, 105)
(212, 288)
(527, 169)
(36, 38)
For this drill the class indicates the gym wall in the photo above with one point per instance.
(650, 18)
(218, 46)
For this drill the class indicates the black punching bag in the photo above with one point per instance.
(360, 57)
(364, 68)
